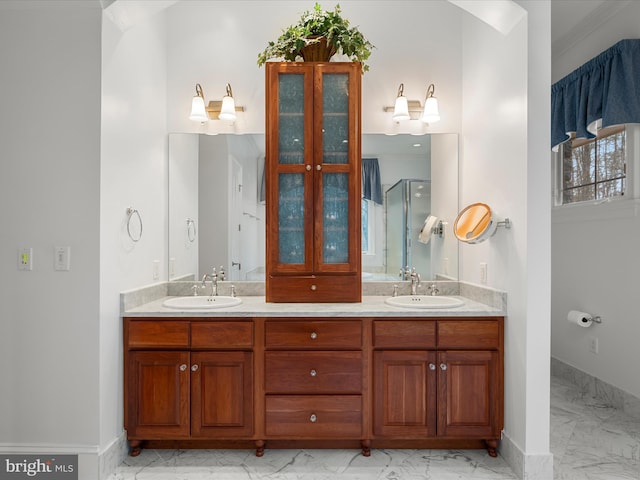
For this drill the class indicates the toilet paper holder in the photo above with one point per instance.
(583, 319)
(593, 318)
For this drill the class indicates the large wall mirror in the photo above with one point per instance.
(217, 208)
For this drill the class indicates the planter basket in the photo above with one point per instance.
(319, 51)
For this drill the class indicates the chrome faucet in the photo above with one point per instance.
(214, 277)
(415, 281)
(413, 275)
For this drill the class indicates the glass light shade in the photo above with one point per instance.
(228, 109)
(401, 110)
(198, 112)
(431, 113)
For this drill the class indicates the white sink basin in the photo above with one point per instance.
(424, 301)
(198, 303)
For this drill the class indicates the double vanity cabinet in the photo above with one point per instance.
(309, 381)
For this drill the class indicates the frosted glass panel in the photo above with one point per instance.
(291, 119)
(291, 218)
(335, 224)
(335, 119)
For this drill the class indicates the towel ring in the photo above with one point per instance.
(130, 213)
(191, 230)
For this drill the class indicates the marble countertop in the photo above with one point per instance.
(372, 306)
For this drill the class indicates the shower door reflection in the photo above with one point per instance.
(407, 205)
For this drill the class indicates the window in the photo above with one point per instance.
(368, 222)
(594, 169)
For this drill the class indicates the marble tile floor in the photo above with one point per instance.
(589, 441)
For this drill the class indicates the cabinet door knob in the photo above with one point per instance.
(318, 167)
(443, 366)
(432, 366)
(314, 288)
(194, 368)
(313, 418)
(308, 167)
(313, 372)
(314, 335)
(183, 367)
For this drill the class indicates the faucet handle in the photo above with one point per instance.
(221, 274)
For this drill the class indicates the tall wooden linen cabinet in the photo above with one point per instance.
(313, 182)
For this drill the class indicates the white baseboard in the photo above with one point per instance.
(526, 467)
(92, 463)
(113, 456)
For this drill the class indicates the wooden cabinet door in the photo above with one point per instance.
(158, 395)
(221, 394)
(469, 390)
(404, 393)
(289, 160)
(337, 168)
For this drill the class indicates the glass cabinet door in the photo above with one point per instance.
(290, 149)
(336, 155)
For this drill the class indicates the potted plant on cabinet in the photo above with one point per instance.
(318, 35)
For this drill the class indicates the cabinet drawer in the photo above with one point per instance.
(157, 333)
(314, 416)
(314, 288)
(476, 334)
(313, 372)
(221, 335)
(313, 334)
(404, 334)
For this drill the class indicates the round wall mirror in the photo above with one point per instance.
(474, 224)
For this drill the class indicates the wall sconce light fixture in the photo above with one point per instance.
(431, 113)
(198, 112)
(223, 110)
(401, 108)
(412, 109)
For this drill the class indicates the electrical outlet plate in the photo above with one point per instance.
(593, 345)
(156, 269)
(483, 273)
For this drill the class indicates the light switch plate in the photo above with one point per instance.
(25, 259)
(62, 259)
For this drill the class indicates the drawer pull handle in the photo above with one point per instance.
(313, 288)
(443, 366)
(313, 372)
(194, 368)
(183, 367)
(432, 366)
(314, 335)
(313, 418)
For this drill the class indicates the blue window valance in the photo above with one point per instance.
(371, 185)
(604, 91)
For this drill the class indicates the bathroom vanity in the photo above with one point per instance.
(365, 375)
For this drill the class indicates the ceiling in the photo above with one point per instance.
(572, 20)
(567, 15)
